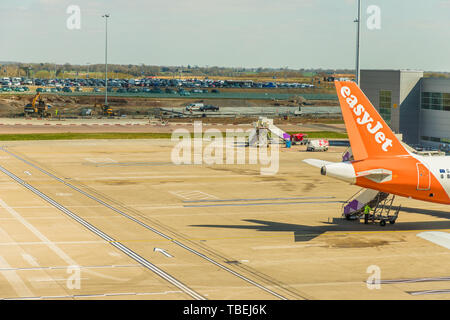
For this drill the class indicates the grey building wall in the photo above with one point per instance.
(409, 107)
(372, 81)
(435, 123)
(405, 104)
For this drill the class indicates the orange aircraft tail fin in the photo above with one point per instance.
(369, 134)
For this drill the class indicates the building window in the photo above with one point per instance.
(426, 100)
(435, 101)
(446, 101)
(385, 105)
(435, 139)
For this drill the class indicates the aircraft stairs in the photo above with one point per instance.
(379, 202)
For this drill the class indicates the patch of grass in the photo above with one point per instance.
(83, 136)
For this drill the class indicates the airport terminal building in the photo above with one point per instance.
(414, 106)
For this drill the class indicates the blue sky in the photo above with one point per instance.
(235, 33)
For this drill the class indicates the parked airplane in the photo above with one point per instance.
(381, 162)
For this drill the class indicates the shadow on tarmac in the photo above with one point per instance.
(304, 233)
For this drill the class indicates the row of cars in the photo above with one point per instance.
(14, 89)
(150, 82)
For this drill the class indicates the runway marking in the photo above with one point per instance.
(145, 263)
(95, 295)
(438, 237)
(306, 245)
(260, 199)
(141, 177)
(100, 160)
(194, 194)
(257, 204)
(28, 243)
(417, 293)
(38, 234)
(65, 267)
(30, 259)
(34, 190)
(14, 280)
(415, 280)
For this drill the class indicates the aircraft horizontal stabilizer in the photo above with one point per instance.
(376, 175)
(317, 163)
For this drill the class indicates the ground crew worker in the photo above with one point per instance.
(367, 210)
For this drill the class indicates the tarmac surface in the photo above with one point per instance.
(24, 126)
(117, 219)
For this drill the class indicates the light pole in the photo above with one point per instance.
(106, 16)
(358, 37)
(87, 75)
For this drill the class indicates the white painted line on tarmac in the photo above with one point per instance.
(38, 234)
(100, 160)
(101, 234)
(193, 195)
(418, 293)
(438, 237)
(51, 245)
(96, 295)
(28, 243)
(30, 259)
(14, 280)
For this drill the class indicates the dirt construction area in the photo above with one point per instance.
(12, 105)
(109, 219)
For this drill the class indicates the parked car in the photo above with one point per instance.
(66, 89)
(209, 108)
(171, 91)
(156, 90)
(194, 106)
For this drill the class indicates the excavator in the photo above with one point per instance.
(40, 108)
(104, 110)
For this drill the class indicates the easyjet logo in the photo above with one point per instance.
(364, 119)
